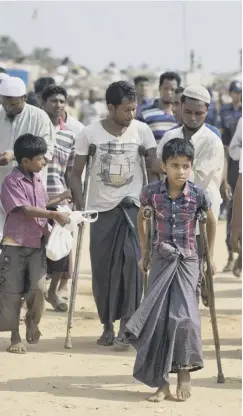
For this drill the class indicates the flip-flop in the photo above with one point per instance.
(122, 344)
(106, 339)
(18, 348)
(57, 304)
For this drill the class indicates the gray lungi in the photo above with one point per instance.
(165, 330)
(115, 252)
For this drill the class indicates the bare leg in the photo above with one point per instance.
(183, 390)
(16, 346)
(63, 289)
(107, 338)
(161, 394)
(53, 297)
(230, 264)
(121, 342)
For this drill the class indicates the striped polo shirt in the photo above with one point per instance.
(158, 120)
(63, 158)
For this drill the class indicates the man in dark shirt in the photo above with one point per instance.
(228, 120)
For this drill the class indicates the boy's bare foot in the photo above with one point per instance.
(183, 390)
(32, 331)
(161, 394)
(16, 347)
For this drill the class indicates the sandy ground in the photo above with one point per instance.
(89, 379)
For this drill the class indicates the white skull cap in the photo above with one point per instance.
(198, 92)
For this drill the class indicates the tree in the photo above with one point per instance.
(9, 49)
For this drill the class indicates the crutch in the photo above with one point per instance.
(148, 216)
(68, 340)
(210, 292)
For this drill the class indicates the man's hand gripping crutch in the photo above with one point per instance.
(68, 340)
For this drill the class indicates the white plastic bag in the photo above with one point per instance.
(60, 242)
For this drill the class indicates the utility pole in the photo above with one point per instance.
(184, 25)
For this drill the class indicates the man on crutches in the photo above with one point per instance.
(115, 186)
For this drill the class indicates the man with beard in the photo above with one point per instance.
(159, 116)
(176, 108)
(209, 152)
(116, 185)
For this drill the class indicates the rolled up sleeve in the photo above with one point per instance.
(12, 195)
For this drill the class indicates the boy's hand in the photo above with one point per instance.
(62, 218)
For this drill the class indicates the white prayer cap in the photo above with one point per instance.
(12, 87)
(3, 76)
(198, 92)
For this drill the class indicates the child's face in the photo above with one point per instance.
(34, 165)
(178, 170)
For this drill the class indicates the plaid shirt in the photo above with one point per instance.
(175, 220)
(63, 158)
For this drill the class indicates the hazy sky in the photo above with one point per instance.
(95, 33)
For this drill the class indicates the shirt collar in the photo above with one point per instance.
(164, 188)
(20, 174)
(195, 135)
(62, 124)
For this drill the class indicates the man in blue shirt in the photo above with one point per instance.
(228, 120)
(142, 89)
(212, 116)
(159, 115)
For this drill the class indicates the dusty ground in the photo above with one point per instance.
(89, 380)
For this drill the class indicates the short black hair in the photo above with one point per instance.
(29, 146)
(41, 83)
(2, 70)
(140, 78)
(53, 89)
(183, 100)
(119, 90)
(170, 76)
(178, 147)
(179, 90)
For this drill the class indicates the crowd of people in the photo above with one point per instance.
(192, 155)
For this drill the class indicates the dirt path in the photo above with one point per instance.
(89, 380)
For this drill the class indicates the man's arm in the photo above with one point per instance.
(46, 130)
(236, 224)
(76, 180)
(151, 160)
(211, 231)
(236, 142)
(141, 231)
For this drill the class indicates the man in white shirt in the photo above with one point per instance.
(116, 184)
(209, 152)
(17, 118)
